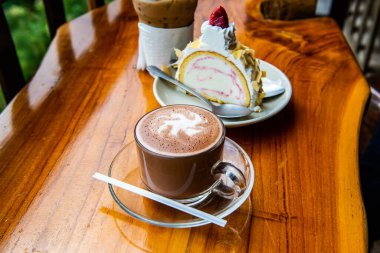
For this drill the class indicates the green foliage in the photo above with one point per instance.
(75, 8)
(2, 101)
(26, 20)
(28, 25)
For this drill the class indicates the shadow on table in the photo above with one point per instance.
(149, 238)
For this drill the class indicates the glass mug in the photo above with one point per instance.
(179, 167)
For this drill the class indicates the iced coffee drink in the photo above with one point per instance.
(166, 13)
(163, 26)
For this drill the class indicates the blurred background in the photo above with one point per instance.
(29, 28)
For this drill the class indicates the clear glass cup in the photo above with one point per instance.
(126, 167)
(189, 178)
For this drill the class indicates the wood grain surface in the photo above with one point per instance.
(281, 9)
(80, 110)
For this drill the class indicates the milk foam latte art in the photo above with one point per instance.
(178, 131)
(180, 122)
(177, 146)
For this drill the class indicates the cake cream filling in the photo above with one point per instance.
(223, 41)
(214, 77)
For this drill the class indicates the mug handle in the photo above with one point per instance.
(231, 182)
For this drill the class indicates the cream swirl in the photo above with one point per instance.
(179, 129)
(224, 42)
(176, 122)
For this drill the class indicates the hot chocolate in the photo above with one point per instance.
(179, 131)
(177, 147)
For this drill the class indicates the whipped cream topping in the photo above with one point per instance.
(223, 41)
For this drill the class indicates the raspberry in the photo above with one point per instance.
(219, 17)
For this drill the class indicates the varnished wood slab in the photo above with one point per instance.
(83, 103)
(281, 9)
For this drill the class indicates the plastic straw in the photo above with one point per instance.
(161, 199)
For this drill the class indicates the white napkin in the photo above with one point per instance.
(156, 45)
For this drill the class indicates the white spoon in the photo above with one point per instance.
(161, 199)
(222, 110)
(272, 88)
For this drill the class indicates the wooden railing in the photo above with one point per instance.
(11, 77)
(55, 14)
(363, 27)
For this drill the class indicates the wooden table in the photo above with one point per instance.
(83, 103)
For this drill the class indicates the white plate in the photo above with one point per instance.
(168, 95)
